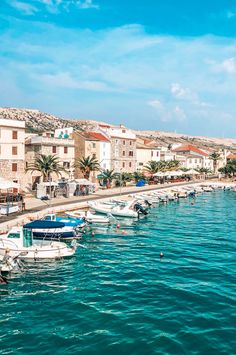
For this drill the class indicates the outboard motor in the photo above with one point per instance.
(3, 280)
(140, 209)
(147, 203)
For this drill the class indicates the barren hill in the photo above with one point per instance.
(37, 121)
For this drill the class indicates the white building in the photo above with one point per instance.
(47, 144)
(146, 151)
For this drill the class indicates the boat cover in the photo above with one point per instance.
(40, 224)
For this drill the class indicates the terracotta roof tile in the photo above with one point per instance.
(190, 148)
(231, 156)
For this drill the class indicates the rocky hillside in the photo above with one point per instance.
(37, 121)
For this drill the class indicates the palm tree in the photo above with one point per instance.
(46, 165)
(123, 178)
(152, 167)
(138, 175)
(107, 176)
(172, 165)
(215, 157)
(86, 165)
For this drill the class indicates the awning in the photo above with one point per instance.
(7, 184)
(39, 224)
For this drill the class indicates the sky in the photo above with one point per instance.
(155, 64)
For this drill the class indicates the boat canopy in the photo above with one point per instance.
(40, 224)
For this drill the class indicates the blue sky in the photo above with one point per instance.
(154, 64)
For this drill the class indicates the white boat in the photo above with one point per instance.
(132, 209)
(19, 243)
(90, 217)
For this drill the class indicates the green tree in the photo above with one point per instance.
(215, 157)
(107, 176)
(86, 165)
(123, 178)
(138, 175)
(46, 165)
(229, 169)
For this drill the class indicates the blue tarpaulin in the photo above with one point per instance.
(140, 183)
(39, 224)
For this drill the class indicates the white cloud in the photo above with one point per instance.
(65, 80)
(55, 6)
(23, 7)
(166, 112)
(227, 66)
(183, 93)
(86, 4)
(156, 104)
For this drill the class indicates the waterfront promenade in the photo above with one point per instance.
(36, 208)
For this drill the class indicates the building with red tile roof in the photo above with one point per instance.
(190, 149)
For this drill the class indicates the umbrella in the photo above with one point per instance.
(192, 172)
(6, 184)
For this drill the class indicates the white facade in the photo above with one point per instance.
(64, 149)
(105, 154)
(144, 155)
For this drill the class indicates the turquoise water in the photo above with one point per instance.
(117, 297)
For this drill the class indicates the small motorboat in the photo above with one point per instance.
(52, 230)
(91, 217)
(132, 209)
(19, 242)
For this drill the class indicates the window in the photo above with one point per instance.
(94, 155)
(140, 164)
(131, 153)
(14, 167)
(123, 131)
(123, 153)
(14, 150)
(66, 165)
(157, 154)
(94, 145)
(152, 154)
(14, 134)
(117, 142)
(65, 150)
(190, 161)
(123, 142)
(130, 164)
(123, 165)
(54, 149)
(196, 161)
(26, 164)
(130, 142)
(116, 153)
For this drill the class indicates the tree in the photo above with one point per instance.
(86, 165)
(138, 175)
(172, 165)
(46, 165)
(215, 157)
(229, 169)
(107, 176)
(123, 178)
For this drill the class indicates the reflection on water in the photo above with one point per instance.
(118, 297)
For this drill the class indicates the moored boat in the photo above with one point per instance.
(20, 243)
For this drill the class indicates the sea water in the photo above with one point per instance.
(117, 296)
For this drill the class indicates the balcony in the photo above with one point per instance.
(51, 141)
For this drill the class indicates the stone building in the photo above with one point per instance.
(12, 150)
(92, 144)
(123, 148)
(48, 144)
